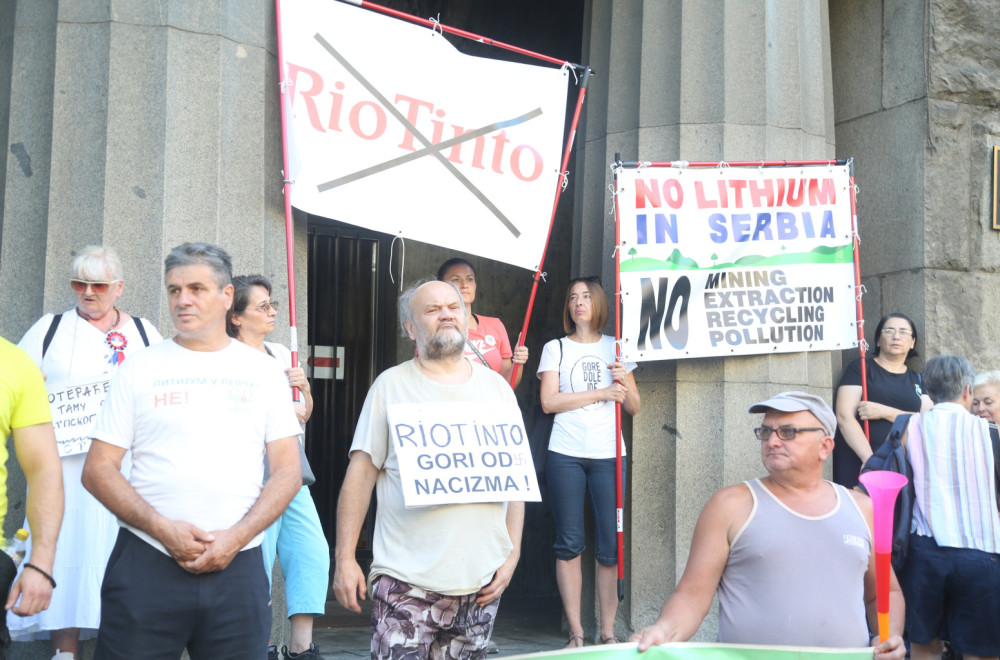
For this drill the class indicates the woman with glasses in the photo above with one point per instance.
(83, 344)
(581, 380)
(488, 342)
(893, 389)
(296, 536)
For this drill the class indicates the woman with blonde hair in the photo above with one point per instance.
(83, 344)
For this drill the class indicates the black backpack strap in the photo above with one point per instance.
(50, 333)
(898, 427)
(141, 329)
(995, 440)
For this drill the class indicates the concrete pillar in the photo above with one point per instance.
(696, 80)
(917, 105)
(141, 126)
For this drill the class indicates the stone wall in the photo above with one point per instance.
(141, 126)
(917, 107)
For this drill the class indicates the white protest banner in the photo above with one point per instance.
(735, 261)
(393, 129)
(451, 453)
(75, 405)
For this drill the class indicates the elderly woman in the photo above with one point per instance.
(986, 397)
(297, 535)
(581, 380)
(85, 343)
(893, 388)
(488, 342)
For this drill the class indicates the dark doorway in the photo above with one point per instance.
(347, 351)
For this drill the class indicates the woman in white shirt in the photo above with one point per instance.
(581, 381)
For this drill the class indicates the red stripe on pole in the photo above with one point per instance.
(463, 33)
(286, 93)
(584, 80)
(857, 297)
(734, 163)
(619, 496)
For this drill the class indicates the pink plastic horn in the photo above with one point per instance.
(883, 488)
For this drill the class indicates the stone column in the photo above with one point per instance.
(696, 80)
(142, 126)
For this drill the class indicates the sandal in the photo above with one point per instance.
(574, 642)
(610, 640)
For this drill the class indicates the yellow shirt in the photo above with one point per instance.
(24, 401)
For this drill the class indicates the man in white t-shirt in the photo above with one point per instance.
(198, 414)
(437, 572)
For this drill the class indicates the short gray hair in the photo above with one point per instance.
(947, 376)
(406, 298)
(988, 378)
(96, 262)
(191, 254)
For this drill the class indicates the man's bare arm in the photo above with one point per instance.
(355, 497)
(283, 483)
(36, 451)
(687, 606)
(102, 476)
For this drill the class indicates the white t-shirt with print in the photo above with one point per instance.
(586, 432)
(197, 423)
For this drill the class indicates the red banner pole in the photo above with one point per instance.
(857, 293)
(736, 163)
(286, 95)
(564, 171)
(619, 495)
(436, 25)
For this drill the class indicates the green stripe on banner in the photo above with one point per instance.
(702, 651)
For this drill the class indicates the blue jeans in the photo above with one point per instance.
(569, 479)
(297, 537)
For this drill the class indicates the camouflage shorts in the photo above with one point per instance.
(409, 623)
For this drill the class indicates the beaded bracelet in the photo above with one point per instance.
(48, 577)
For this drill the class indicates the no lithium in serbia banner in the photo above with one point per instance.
(735, 261)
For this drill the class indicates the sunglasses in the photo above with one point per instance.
(80, 286)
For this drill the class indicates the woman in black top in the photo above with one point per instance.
(893, 389)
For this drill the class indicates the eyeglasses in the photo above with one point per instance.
(80, 286)
(902, 332)
(786, 433)
(265, 306)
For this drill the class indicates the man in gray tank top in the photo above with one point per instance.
(790, 554)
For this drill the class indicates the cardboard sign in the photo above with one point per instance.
(75, 405)
(735, 261)
(461, 453)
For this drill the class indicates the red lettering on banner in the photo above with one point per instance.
(368, 120)
(703, 202)
(455, 154)
(379, 128)
(740, 193)
(308, 96)
(170, 399)
(515, 163)
(825, 195)
(411, 116)
(336, 104)
(499, 142)
(761, 192)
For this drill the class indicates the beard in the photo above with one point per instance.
(443, 344)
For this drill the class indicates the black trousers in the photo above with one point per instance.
(152, 609)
